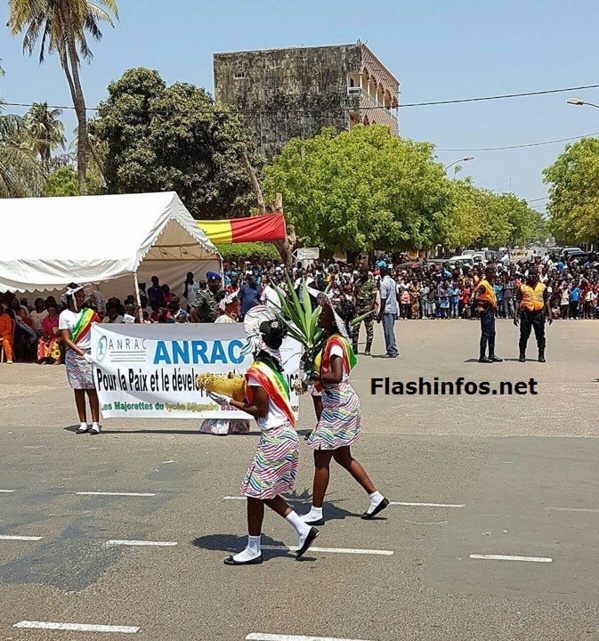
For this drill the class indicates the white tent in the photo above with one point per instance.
(50, 242)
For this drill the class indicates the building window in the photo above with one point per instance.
(239, 75)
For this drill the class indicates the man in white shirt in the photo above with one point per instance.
(190, 289)
(388, 311)
(269, 296)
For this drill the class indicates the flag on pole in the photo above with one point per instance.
(267, 227)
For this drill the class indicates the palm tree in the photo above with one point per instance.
(20, 173)
(63, 26)
(46, 130)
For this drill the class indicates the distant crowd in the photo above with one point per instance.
(424, 290)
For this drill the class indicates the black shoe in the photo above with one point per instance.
(542, 357)
(231, 561)
(379, 508)
(522, 358)
(484, 359)
(83, 431)
(367, 353)
(368, 348)
(307, 543)
(496, 359)
(307, 436)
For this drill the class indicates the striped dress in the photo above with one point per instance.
(274, 468)
(341, 419)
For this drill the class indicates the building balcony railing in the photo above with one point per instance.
(366, 100)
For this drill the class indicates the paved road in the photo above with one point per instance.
(504, 475)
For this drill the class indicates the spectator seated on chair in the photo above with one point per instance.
(7, 331)
(49, 347)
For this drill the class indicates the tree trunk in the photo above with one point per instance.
(255, 182)
(79, 104)
(285, 247)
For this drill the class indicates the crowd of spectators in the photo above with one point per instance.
(425, 290)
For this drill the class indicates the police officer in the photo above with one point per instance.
(486, 302)
(366, 302)
(532, 303)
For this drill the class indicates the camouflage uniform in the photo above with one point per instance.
(205, 305)
(363, 294)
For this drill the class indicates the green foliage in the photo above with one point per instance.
(248, 251)
(361, 189)
(574, 193)
(45, 129)
(161, 138)
(62, 182)
(21, 174)
(482, 218)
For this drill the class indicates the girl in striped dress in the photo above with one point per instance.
(275, 464)
(338, 413)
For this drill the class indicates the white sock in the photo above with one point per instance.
(83, 426)
(95, 427)
(252, 551)
(373, 500)
(315, 514)
(299, 526)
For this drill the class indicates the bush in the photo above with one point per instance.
(248, 251)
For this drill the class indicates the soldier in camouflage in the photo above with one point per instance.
(366, 301)
(204, 308)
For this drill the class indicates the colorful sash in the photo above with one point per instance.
(83, 325)
(274, 384)
(349, 357)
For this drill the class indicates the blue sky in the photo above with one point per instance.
(438, 49)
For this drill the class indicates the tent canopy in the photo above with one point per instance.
(49, 242)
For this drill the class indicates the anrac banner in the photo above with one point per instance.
(149, 371)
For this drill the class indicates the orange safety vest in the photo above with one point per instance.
(488, 296)
(532, 297)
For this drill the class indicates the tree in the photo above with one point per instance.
(361, 189)
(20, 173)
(481, 217)
(162, 138)
(46, 131)
(62, 182)
(574, 193)
(63, 26)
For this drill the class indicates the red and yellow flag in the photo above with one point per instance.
(245, 230)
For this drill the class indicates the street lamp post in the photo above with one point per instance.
(455, 162)
(578, 102)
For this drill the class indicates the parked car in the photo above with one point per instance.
(572, 250)
(464, 259)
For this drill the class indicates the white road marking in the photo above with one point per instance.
(426, 504)
(160, 544)
(331, 550)
(572, 509)
(115, 494)
(6, 491)
(75, 627)
(258, 636)
(502, 557)
(6, 537)
(243, 498)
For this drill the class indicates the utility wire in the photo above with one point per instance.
(498, 97)
(402, 106)
(530, 144)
